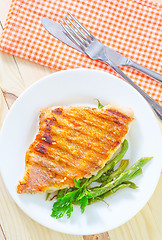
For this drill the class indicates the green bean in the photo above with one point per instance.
(131, 184)
(125, 176)
(112, 191)
(136, 173)
(110, 164)
(108, 178)
(117, 172)
(104, 177)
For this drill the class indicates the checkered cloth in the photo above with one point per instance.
(133, 28)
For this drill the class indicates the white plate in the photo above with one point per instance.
(80, 87)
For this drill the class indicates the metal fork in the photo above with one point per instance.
(96, 50)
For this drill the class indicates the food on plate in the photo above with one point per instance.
(73, 143)
(110, 182)
(75, 149)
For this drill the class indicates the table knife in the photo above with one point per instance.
(56, 30)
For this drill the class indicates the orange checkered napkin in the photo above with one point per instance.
(131, 27)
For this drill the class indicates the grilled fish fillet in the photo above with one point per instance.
(72, 143)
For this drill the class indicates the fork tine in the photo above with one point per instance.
(78, 29)
(73, 38)
(80, 25)
(75, 33)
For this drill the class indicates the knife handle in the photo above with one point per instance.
(150, 73)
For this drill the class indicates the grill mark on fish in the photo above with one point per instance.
(63, 156)
(57, 111)
(47, 138)
(119, 114)
(85, 121)
(77, 143)
(114, 143)
(52, 122)
(70, 118)
(53, 160)
(61, 170)
(71, 161)
(95, 127)
(68, 127)
(111, 115)
(53, 171)
(74, 115)
(87, 133)
(40, 148)
(47, 165)
(52, 148)
(68, 124)
(92, 132)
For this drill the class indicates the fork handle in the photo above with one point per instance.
(156, 107)
(150, 73)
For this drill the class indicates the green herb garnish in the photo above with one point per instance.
(79, 195)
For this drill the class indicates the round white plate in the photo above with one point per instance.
(81, 87)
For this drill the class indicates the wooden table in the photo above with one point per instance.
(15, 76)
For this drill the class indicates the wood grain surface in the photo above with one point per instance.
(15, 76)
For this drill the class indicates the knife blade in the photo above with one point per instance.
(56, 30)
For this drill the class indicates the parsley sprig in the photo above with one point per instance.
(78, 195)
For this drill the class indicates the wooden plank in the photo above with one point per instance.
(3, 113)
(155, 206)
(9, 98)
(10, 79)
(102, 236)
(2, 234)
(31, 72)
(3, 108)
